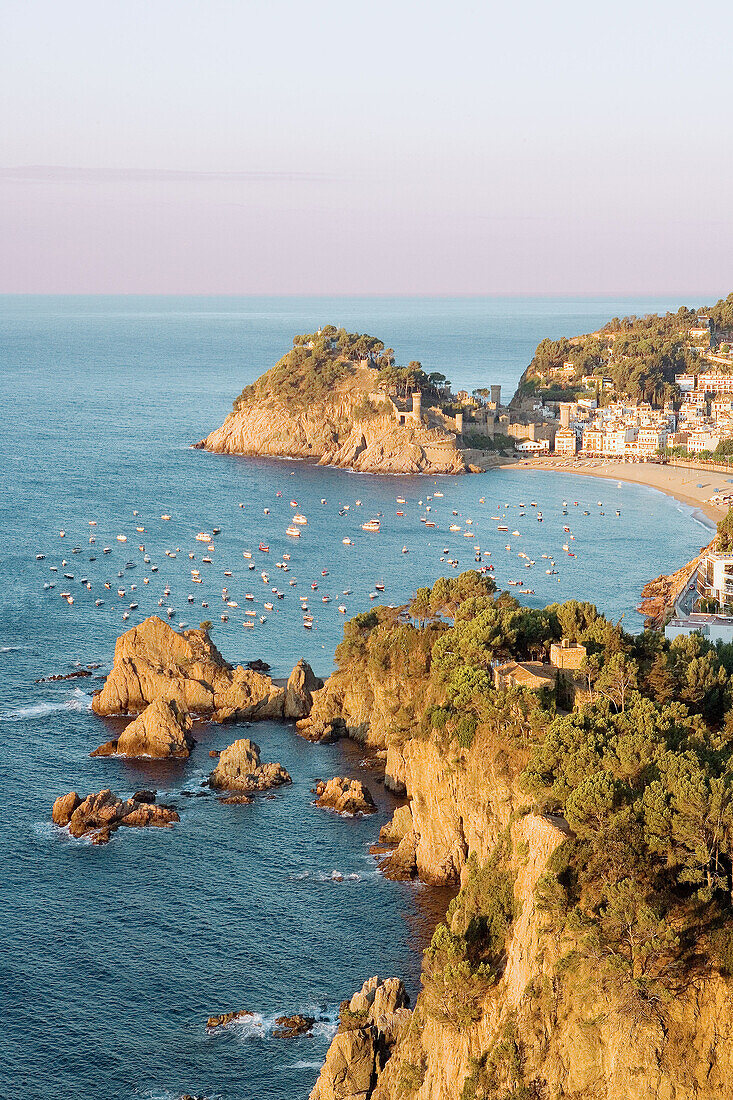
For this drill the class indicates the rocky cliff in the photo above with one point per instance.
(543, 1021)
(344, 430)
(568, 967)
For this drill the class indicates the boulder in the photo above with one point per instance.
(345, 796)
(240, 769)
(162, 731)
(301, 684)
(153, 661)
(64, 807)
(99, 814)
(287, 1027)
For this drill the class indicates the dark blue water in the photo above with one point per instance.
(112, 958)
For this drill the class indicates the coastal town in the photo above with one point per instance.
(597, 418)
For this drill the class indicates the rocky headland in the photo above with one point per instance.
(338, 399)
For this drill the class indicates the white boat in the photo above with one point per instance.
(203, 537)
(165, 516)
(98, 603)
(232, 603)
(294, 531)
(206, 560)
(300, 519)
(252, 613)
(269, 606)
(346, 542)
(342, 609)
(122, 538)
(456, 527)
(250, 624)
(370, 525)
(246, 554)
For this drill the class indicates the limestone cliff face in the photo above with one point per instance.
(154, 662)
(337, 433)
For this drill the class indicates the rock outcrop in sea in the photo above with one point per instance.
(370, 1024)
(240, 769)
(153, 661)
(345, 796)
(162, 732)
(99, 815)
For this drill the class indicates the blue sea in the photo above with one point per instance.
(112, 958)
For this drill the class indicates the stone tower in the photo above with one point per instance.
(416, 405)
(496, 396)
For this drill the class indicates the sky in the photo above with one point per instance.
(365, 147)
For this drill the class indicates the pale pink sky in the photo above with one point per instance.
(172, 146)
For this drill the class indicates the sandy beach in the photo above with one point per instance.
(690, 486)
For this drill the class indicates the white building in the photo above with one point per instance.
(566, 442)
(715, 578)
(532, 445)
(714, 628)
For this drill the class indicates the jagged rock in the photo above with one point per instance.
(64, 807)
(401, 864)
(398, 828)
(345, 796)
(99, 814)
(290, 1026)
(153, 661)
(162, 731)
(144, 796)
(240, 769)
(324, 733)
(371, 1024)
(302, 682)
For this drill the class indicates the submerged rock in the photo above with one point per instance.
(162, 731)
(345, 796)
(227, 1017)
(290, 1026)
(99, 814)
(240, 769)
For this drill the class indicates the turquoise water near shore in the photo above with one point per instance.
(112, 958)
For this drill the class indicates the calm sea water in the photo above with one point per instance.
(112, 958)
